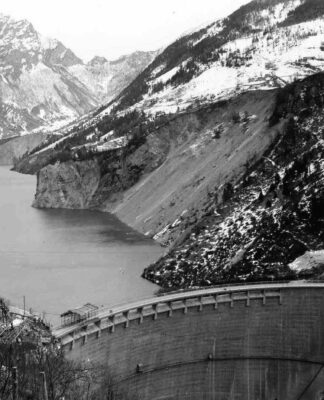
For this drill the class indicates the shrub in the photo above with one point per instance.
(236, 117)
(228, 192)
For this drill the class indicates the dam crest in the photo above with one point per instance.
(258, 342)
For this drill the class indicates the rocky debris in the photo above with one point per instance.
(22, 328)
(273, 216)
(29, 331)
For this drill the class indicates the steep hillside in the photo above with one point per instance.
(264, 44)
(261, 46)
(272, 216)
(150, 181)
(169, 154)
(42, 81)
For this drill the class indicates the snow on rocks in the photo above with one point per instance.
(254, 61)
(308, 261)
(112, 144)
(267, 223)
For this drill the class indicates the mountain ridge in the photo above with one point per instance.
(42, 81)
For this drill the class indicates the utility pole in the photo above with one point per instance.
(24, 305)
(14, 374)
(44, 386)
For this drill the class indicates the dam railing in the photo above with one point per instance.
(108, 319)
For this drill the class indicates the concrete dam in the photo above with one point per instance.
(254, 342)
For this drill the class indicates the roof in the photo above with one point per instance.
(82, 311)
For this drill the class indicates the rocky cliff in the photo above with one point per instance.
(67, 185)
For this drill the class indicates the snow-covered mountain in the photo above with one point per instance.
(42, 81)
(264, 44)
(108, 78)
(35, 84)
(261, 46)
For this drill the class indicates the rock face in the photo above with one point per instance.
(42, 81)
(311, 263)
(67, 185)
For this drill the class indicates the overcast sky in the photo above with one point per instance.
(111, 28)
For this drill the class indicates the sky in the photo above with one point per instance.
(111, 28)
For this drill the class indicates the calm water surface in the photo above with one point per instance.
(61, 259)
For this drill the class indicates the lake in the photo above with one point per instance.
(60, 259)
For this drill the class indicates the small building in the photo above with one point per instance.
(77, 315)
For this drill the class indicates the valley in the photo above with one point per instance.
(178, 195)
(179, 170)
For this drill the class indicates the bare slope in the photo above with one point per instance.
(203, 151)
(173, 172)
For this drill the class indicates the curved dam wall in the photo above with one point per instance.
(256, 342)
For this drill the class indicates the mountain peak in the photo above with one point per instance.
(21, 27)
(42, 81)
(57, 54)
(97, 61)
(23, 48)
